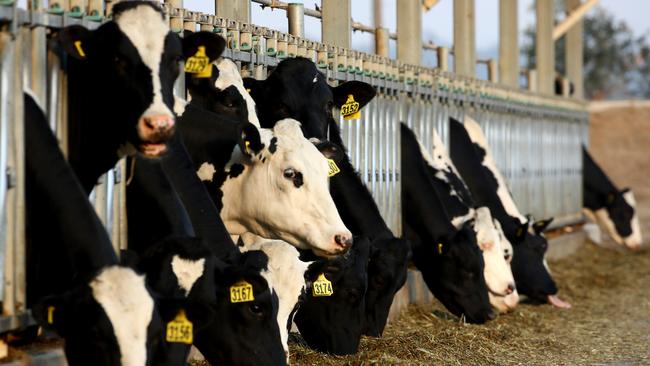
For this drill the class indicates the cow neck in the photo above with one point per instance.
(596, 183)
(355, 203)
(483, 187)
(63, 203)
(202, 211)
(93, 136)
(421, 204)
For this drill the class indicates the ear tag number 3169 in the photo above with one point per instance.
(350, 110)
(322, 286)
(241, 291)
(180, 329)
(199, 64)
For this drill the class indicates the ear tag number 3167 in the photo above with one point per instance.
(322, 286)
(241, 291)
(180, 329)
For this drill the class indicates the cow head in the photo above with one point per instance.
(131, 61)
(245, 329)
(297, 89)
(498, 275)
(110, 321)
(387, 269)
(334, 324)
(290, 176)
(619, 216)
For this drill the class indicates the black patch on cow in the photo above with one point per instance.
(297, 180)
(235, 170)
(273, 146)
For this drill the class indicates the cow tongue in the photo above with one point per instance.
(557, 302)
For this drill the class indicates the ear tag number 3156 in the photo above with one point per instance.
(350, 110)
(180, 329)
(322, 286)
(241, 291)
(199, 64)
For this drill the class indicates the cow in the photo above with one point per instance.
(459, 203)
(608, 206)
(450, 260)
(472, 157)
(331, 317)
(104, 311)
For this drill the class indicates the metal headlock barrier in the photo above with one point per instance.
(536, 139)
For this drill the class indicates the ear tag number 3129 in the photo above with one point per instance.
(350, 110)
(180, 329)
(241, 291)
(322, 286)
(199, 64)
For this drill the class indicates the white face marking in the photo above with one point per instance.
(315, 79)
(229, 76)
(129, 307)
(147, 30)
(477, 137)
(635, 239)
(304, 216)
(179, 105)
(187, 271)
(286, 274)
(206, 172)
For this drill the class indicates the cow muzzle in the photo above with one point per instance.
(154, 132)
(343, 242)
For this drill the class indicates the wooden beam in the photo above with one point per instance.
(572, 18)
(428, 4)
(508, 43)
(337, 22)
(239, 10)
(409, 31)
(544, 46)
(573, 53)
(464, 38)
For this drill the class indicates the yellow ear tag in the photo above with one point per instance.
(322, 287)
(519, 232)
(80, 50)
(50, 314)
(241, 291)
(180, 330)
(439, 248)
(350, 110)
(334, 169)
(248, 90)
(199, 64)
(248, 149)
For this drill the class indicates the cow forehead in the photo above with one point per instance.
(229, 76)
(128, 305)
(292, 145)
(147, 30)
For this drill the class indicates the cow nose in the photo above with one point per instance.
(344, 241)
(156, 124)
(492, 314)
(510, 289)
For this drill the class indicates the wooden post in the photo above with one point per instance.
(381, 41)
(574, 53)
(443, 58)
(544, 46)
(532, 80)
(464, 38)
(296, 16)
(492, 71)
(337, 22)
(508, 43)
(409, 31)
(239, 10)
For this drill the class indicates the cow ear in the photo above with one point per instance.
(50, 312)
(625, 190)
(254, 87)
(611, 197)
(212, 44)
(250, 141)
(521, 231)
(75, 40)
(362, 93)
(330, 150)
(541, 225)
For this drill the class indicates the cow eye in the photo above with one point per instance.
(256, 309)
(289, 173)
(507, 257)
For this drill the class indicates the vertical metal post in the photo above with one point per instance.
(176, 15)
(508, 43)
(381, 42)
(239, 10)
(544, 46)
(492, 71)
(409, 31)
(532, 80)
(38, 57)
(296, 16)
(464, 38)
(337, 22)
(443, 58)
(574, 53)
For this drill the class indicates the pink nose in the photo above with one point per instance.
(344, 241)
(510, 289)
(153, 127)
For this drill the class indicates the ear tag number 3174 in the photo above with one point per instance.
(199, 64)
(350, 110)
(322, 286)
(241, 291)
(180, 329)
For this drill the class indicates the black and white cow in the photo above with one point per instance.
(334, 323)
(459, 204)
(104, 311)
(449, 258)
(471, 155)
(130, 64)
(611, 208)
